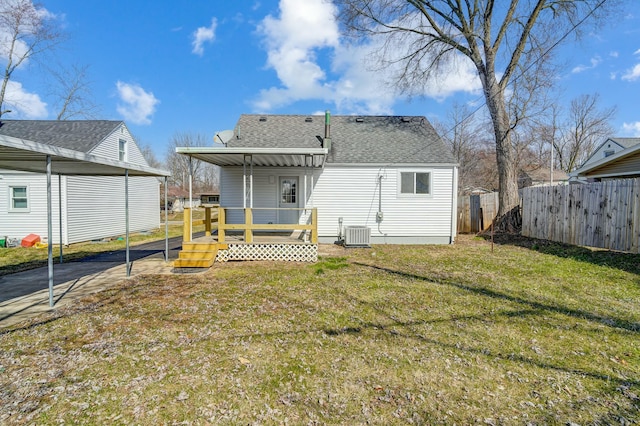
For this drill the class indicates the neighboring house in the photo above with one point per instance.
(89, 207)
(610, 147)
(623, 164)
(179, 199)
(209, 198)
(541, 176)
(393, 175)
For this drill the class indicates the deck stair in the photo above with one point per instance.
(198, 254)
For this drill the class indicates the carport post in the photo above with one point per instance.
(166, 220)
(49, 233)
(60, 211)
(126, 216)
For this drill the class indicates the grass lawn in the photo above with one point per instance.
(545, 334)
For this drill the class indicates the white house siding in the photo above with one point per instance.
(109, 147)
(20, 224)
(351, 193)
(96, 206)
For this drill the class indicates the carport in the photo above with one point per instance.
(29, 156)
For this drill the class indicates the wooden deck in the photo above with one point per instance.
(248, 241)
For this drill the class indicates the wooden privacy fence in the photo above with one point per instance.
(602, 214)
(476, 212)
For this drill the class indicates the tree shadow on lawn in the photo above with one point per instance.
(628, 262)
(488, 292)
(535, 308)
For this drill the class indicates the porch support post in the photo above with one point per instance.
(248, 223)
(126, 217)
(60, 212)
(207, 221)
(221, 223)
(190, 198)
(244, 181)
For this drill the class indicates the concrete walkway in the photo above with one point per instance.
(24, 295)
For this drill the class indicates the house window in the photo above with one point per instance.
(415, 183)
(122, 150)
(19, 198)
(608, 153)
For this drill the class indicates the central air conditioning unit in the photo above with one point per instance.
(357, 236)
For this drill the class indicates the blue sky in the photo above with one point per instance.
(195, 66)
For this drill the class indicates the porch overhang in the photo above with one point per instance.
(269, 157)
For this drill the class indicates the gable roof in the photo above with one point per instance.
(25, 145)
(77, 135)
(625, 142)
(355, 139)
(625, 163)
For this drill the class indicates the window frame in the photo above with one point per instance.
(414, 194)
(12, 197)
(122, 150)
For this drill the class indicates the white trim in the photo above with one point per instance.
(12, 209)
(401, 194)
(610, 159)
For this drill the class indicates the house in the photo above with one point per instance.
(179, 199)
(541, 176)
(623, 164)
(86, 207)
(209, 198)
(391, 175)
(610, 147)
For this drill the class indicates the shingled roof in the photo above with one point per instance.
(626, 142)
(355, 139)
(78, 135)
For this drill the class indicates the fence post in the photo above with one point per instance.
(207, 221)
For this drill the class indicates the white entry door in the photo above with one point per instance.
(288, 198)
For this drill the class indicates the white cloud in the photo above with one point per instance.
(22, 103)
(631, 129)
(594, 62)
(632, 74)
(137, 105)
(305, 30)
(204, 35)
(9, 41)
(614, 54)
(637, 52)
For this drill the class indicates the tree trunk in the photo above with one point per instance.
(509, 200)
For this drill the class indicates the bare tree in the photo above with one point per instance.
(72, 93)
(205, 175)
(463, 134)
(503, 40)
(585, 127)
(25, 31)
(150, 156)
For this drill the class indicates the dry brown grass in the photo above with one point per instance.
(391, 335)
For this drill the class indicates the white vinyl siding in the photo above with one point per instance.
(351, 193)
(19, 224)
(100, 212)
(110, 147)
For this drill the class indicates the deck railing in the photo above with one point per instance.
(219, 215)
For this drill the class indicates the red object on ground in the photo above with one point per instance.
(30, 240)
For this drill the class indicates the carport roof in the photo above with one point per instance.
(31, 156)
